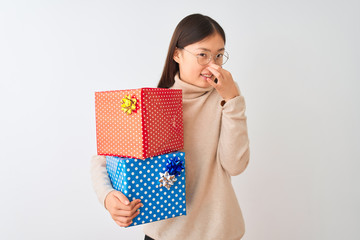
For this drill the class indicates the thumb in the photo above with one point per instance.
(122, 197)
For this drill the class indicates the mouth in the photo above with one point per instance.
(206, 75)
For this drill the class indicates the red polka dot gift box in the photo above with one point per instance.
(139, 123)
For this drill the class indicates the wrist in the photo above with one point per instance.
(226, 99)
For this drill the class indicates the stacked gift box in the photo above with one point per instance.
(140, 132)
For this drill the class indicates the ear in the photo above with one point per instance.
(176, 56)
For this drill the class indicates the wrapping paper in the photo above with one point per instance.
(139, 123)
(139, 179)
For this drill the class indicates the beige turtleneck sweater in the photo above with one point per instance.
(216, 145)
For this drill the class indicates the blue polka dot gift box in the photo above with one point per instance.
(158, 181)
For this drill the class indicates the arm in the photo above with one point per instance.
(233, 148)
(99, 177)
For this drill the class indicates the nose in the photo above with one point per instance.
(212, 60)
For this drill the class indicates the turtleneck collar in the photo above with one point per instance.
(190, 91)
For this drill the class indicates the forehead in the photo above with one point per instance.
(212, 43)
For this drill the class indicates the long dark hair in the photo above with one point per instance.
(191, 29)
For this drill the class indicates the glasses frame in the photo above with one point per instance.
(226, 55)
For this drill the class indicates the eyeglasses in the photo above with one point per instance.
(204, 57)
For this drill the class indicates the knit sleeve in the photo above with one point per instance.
(99, 177)
(234, 142)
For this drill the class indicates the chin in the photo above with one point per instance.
(203, 83)
(200, 84)
(206, 85)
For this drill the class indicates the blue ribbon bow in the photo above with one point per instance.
(174, 166)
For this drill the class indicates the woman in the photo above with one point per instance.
(215, 139)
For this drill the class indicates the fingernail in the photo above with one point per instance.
(142, 205)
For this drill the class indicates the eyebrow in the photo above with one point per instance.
(221, 49)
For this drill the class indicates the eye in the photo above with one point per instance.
(219, 55)
(203, 55)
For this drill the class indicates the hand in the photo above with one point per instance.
(225, 84)
(121, 209)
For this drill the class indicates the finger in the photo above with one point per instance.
(136, 213)
(126, 220)
(123, 220)
(215, 72)
(127, 213)
(129, 207)
(123, 199)
(123, 224)
(215, 66)
(134, 203)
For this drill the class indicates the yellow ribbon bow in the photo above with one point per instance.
(128, 104)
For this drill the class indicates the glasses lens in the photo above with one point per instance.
(203, 58)
(225, 57)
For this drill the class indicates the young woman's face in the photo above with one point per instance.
(190, 70)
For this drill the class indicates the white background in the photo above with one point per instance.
(296, 62)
